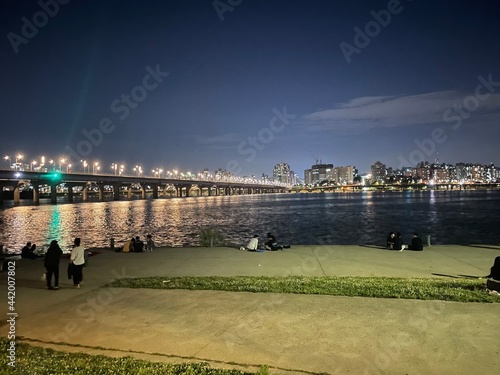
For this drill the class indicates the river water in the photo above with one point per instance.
(449, 217)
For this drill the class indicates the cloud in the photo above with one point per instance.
(222, 141)
(363, 113)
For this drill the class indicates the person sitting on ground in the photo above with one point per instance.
(128, 246)
(398, 243)
(26, 251)
(150, 245)
(390, 240)
(34, 252)
(416, 243)
(253, 244)
(138, 245)
(271, 243)
(493, 282)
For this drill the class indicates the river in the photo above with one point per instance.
(449, 217)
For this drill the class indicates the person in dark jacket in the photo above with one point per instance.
(26, 251)
(138, 245)
(390, 240)
(416, 243)
(493, 282)
(51, 263)
(271, 243)
(398, 243)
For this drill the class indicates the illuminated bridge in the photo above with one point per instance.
(100, 184)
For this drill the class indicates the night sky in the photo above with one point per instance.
(204, 84)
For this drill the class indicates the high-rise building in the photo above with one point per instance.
(318, 173)
(281, 173)
(379, 172)
(345, 175)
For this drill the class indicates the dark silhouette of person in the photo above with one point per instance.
(26, 251)
(51, 263)
(138, 245)
(495, 270)
(416, 243)
(398, 243)
(493, 282)
(271, 243)
(390, 240)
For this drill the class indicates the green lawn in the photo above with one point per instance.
(458, 290)
(34, 360)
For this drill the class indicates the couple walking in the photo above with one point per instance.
(51, 263)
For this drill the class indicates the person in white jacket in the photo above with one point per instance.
(78, 259)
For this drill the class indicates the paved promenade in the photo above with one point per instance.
(292, 334)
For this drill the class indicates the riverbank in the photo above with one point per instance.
(245, 330)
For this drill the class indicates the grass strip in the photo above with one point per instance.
(457, 290)
(35, 360)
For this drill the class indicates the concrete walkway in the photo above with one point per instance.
(292, 334)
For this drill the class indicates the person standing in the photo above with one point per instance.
(78, 259)
(51, 263)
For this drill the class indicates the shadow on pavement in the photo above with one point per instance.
(483, 247)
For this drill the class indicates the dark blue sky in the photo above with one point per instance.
(261, 83)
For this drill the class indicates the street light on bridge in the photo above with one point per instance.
(18, 157)
(95, 167)
(61, 162)
(138, 170)
(7, 157)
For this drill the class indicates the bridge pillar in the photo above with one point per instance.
(17, 195)
(36, 195)
(187, 189)
(70, 192)
(143, 191)
(129, 192)
(53, 193)
(155, 190)
(1, 194)
(84, 193)
(116, 192)
(101, 191)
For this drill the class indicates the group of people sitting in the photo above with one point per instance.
(30, 252)
(395, 242)
(136, 245)
(270, 244)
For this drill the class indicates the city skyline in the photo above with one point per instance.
(246, 86)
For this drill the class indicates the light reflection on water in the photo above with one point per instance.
(352, 218)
